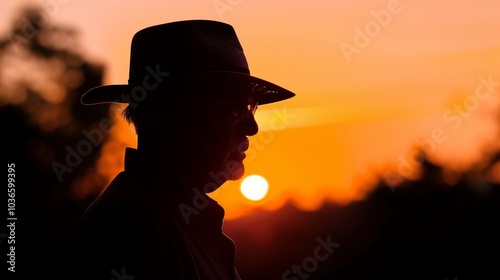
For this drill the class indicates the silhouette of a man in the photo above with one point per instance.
(192, 101)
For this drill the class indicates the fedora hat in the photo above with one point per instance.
(193, 56)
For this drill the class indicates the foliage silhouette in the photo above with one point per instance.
(42, 77)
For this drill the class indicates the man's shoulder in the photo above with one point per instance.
(126, 202)
(126, 226)
(121, 194)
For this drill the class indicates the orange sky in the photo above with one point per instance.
(353, 114)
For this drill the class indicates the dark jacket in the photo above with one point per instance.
(136, 229)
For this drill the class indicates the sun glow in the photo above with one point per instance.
(254, 187)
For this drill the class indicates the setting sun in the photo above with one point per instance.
(254, 187)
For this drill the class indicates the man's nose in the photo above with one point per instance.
(250, 126)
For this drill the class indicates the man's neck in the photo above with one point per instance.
(164, 168)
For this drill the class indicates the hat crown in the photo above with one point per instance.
(191, 56)
(186, 47)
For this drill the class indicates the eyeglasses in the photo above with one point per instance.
(241, 112)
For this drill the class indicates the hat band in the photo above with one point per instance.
(179, 73)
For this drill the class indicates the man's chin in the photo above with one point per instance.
(234, 169)
(233, 176)
(236, 172)
(230, 170)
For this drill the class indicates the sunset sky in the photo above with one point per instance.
(372, 78)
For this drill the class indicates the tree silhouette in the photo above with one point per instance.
(42, 77)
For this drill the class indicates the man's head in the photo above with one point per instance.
(198, 135)
(190, 89)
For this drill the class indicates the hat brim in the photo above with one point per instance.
(222, 83)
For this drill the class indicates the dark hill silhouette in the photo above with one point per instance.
(422, 230)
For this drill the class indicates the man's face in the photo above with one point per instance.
(213, 136)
